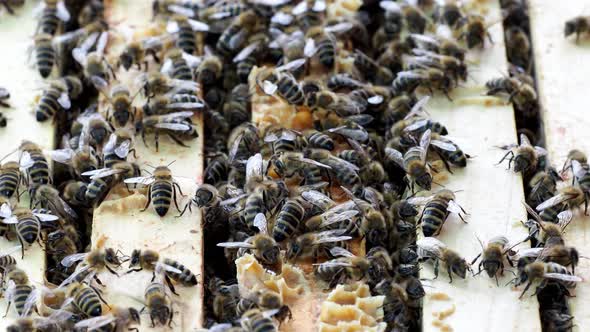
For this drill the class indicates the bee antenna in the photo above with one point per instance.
(438, 184)
(170, 163)
(9, 153)
(150, 165)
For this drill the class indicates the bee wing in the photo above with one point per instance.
(102, 41)
(173, 126)
(340, 252)
(282, 18)
(166, 67)
(359, 134)
(334, 263)
(46, 217)
(443, 145)
(254, 166)
(64, 100)
(395, 155)
(310, 48)
(317, 198)
(5, 210)
(178, 9)
(316, 163)
(75, 275)
(30, 302)
(330, 218)
(234, 148)
(144, 180)
(563, 277)
(232, 200)
(419, 200)
(557, 199)
(167, 268)
(176, 115)
(424, 41)
(261, 223)
(71, 259)
(300, 8)
(416, 125)
(96, 172)
(191, 60)
(390, 6)
(319, 6)
(62, 156)
(172, 27)
(429, 247)
(361, 119)
(292, 65)
(454, 207)
(220, 15)
(67, 208)
(9, 290)
(418, 108)
(540, 151)
(329, 239)
(123, 149)
(184, 85)
(95, 323)
(99, 82)
(339, 27)
(109, 146)
(10, 220)
(246, 51)
(424, 143)
(530, 252)
(271, 137)
(235, 245)
(564, 218)
(269, 88)
(186, 105)
(577, 168)
(524, 140)
(198, 25)
(62, 12)
(375, 100)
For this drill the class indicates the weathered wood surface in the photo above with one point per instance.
(23, 82)
(123, 226)
(562, 82)
(491, 194)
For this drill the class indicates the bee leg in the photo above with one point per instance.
(171, 316)
(436, 262)
(149, 200)
(450, 274)
(504, 158)
(134, 270)
(143, 138)
(170, 285)
(7, 308)
(177, 140)
(174, 185)
(157, 140)
(98, 281)
(99, 294)
(497, 282)
(187, 206)
(525, 289)
(111, 270)
(7, 6)
(446, 93)
(489, 35)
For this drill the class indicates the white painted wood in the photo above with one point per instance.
(23, 82)
(124, 227)
(562, 82)
(490, 194)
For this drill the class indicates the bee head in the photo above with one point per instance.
(424, 180)
(134, 314)
(570, 28)
(134, 261)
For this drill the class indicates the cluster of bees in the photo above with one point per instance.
(338, 194)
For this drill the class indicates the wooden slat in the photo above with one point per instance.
(23, 82)
(563, 85)
(491, 194)
(123, 226)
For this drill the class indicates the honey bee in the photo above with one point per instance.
(309, 13)
(430, 79)
(518, 48)
(287, 222)
(177, 66)
(557, 320)
(255, 320)
(314, 243)
(543, 184)
(243, 142)
(237, 109)
(103, 179)
(118, 147)
(185, 28)
(217, 169)
(473, 29)
(118, 318)
(522, 94)
(97, 69)
(283, 83)
(173, 270)
(440, 44)
(92, 11)
(430, 248)
(548, 233)
(414, 162)
(577, 25)
(10, 179)
(6, 260)
(449, 151)
(436, 210)
(547, 272)
(347, 265)
(51, 14)
(581, 174)
(120, 112)
(225, 299)
(44, 54)
(27, 224)
(136, 52)
(53, 99)
(283, 140)
(320, 140)
(525, 156)
(571, 196)
(19, 291)
(156, 83)
(82, 160)
(345, 172)
(492, 256)
(371, 70)
(162, 189)
(450, 65)
(34, 162)
(325, 44)
(556, 253)
(86, 298)
(63, 242)
(236, 34)
(177, 126)
(576, 155)
(94, 260)
(415, 19)
(158, 303)
(395, 303)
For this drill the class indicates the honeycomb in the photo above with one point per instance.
(352, 308)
